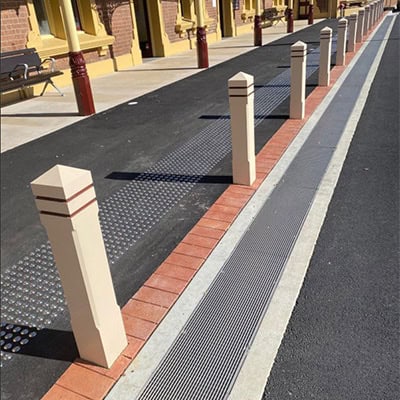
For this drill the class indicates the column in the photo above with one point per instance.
(257, 25)
(80, 78)
(311, 12)
(290, 22)
(202, 47)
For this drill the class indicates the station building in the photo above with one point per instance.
(118, 34)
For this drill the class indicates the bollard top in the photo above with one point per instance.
(361, 11)
(64, 191)
(241, 79)
(61, 182)
(342, 23)
(366, 7)
(326, 32)
(298, 49)
(353, 16)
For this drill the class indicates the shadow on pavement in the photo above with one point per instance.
(143, 176)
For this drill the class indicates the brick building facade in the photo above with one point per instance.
(116, 34)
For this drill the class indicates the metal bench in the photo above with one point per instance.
(22, 68)
(272, 15)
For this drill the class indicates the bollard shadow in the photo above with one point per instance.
(29, 115)
(275, 116)
(173, 178)
(158, 69)
(268, 85)
(44, 343)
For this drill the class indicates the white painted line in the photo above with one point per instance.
(255, 371)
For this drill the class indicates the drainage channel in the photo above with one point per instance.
(32, 294)
(205, 358)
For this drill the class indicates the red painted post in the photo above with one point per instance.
(201, 36)
(202, 48)
(289, 20)
(311, 13)
(257, 31)
(81, 82)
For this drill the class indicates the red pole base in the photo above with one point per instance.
(311, 14)
(202, 48)
(80, 79)
(257, 31)
(289, 20)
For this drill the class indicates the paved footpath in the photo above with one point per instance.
(125, 164)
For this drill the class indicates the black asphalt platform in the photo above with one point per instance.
(115, 146)
(342, 341)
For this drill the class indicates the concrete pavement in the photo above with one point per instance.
(44, 115)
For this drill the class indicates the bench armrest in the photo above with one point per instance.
(16, 68)
(52, 65)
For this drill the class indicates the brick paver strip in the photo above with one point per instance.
(150, 304)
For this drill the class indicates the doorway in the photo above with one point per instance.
(226, 17)
(143, 28)
(304, 9)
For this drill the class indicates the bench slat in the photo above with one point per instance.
(12, 70)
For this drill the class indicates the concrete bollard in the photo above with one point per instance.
(68, 208)
(360, 26)
(341, 42)
(324, 74)
(372, 15)
(241, 105)
(351, 46)
(298, 61)
(366, 19)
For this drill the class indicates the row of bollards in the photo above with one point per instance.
(68, 207)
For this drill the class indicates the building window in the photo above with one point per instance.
(75, 9)
(249, 5)
(187, 9)
(47, 27)
(41, 16)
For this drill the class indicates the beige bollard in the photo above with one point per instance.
(68, 208)
(360, 25)
(351, 46)
(241, 105)
(366, 19)
(341, 42)
(372, 22)
(324, 74)
(298, 61)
